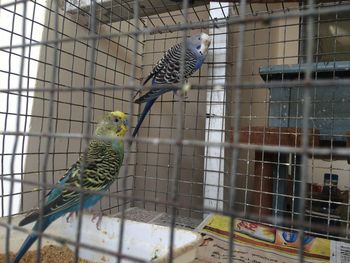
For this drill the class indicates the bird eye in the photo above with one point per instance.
(198, 47)
(116, 120)
(199, 38)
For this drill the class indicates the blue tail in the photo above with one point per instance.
(147, 108)
(30, 240)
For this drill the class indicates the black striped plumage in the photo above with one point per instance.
(167, 70)
(100, 170)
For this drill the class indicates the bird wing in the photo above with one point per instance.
(167, 71)
(60, 200)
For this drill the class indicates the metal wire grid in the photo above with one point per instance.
(152, 181)
(66, 103)
(52, 108)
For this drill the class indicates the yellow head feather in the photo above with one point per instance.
(113, 123)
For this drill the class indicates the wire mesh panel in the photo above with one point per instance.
(72, 75)
(259, 134)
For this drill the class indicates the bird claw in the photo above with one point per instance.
(70, 215)
(98, 215)
(181, 95)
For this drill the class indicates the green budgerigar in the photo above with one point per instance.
(102, 163)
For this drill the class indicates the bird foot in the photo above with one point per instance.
(70, 216)
(180, 95)
(98, 215)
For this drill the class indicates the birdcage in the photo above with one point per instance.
(247, 160)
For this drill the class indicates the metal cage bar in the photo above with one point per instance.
(265, 120)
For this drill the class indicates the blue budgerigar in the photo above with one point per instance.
(167, 70)
(102, 163)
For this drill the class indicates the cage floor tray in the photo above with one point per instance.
(149, 242)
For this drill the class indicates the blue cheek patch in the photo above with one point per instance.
(198, 47)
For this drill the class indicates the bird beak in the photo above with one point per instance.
(126, 125)
(122, 130)
(207, 42)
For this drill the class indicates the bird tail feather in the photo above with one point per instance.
(143, 115)
(30, 240)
